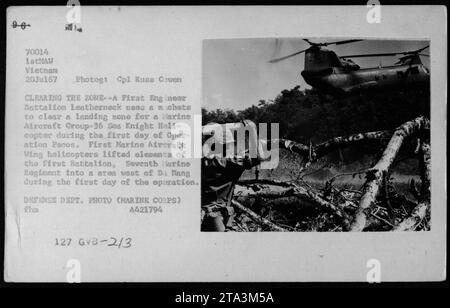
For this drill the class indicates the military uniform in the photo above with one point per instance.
(219, 177)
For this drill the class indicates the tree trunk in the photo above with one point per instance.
(417, 215)
(307, 195)
(258, 218)
(339, 142)
(315, 152)
(375, 175)
(425, 171)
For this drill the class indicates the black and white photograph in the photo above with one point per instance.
(354, 135)
(265, 146)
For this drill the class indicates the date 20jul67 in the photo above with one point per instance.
(117, 242)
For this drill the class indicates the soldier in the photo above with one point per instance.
(221, 170)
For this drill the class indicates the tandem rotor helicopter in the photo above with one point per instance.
(339, 75)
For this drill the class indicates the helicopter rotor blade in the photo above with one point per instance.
(330, 43)
(373, 55)
(342, 42)
(288, 56)
(405, 53)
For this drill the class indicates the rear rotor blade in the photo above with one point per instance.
(286, 57)
(387, 54)
(343, 42)
(373, 55)
(419, 50)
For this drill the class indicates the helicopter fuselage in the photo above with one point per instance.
(341, 81)
(339, 75)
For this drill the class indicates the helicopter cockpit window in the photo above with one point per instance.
(334, 60)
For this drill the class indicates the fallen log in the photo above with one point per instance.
(312, 153)
(310, 195)
(264, 181)
(421, 209)
(270, 194)
(417, 216)
(375, 174)
(294, 147)
(261, 220)
(304, 194)
(425, 171)
(339, 142)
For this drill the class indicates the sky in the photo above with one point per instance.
(237, 74)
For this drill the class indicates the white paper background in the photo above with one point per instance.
(170, 247)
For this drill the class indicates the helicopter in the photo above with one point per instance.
(339, 75)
